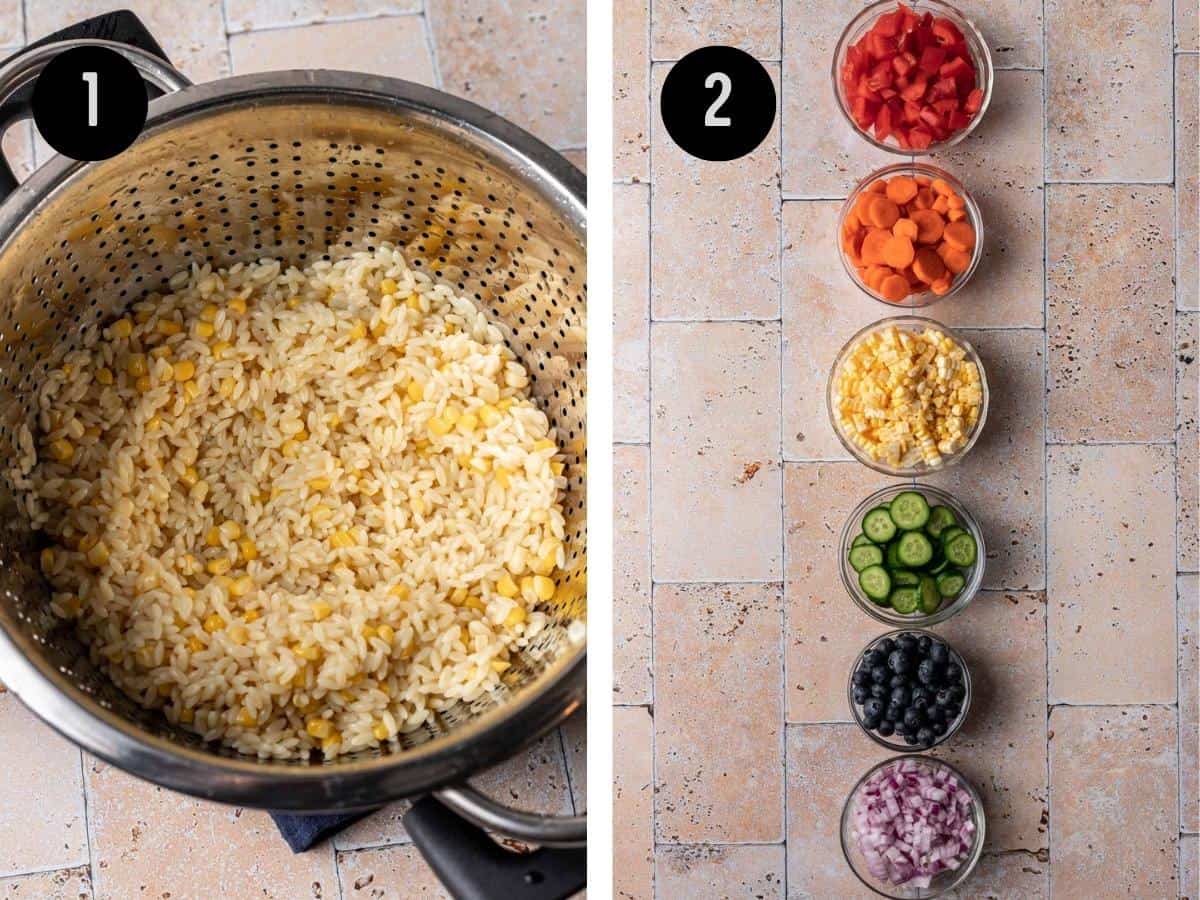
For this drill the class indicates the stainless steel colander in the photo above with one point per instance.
(296, 165)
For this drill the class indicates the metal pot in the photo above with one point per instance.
(285, 164)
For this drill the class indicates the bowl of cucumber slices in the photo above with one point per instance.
(912, 555)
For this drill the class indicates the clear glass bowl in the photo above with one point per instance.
(916, 324)
(898, 743)
(886, 614)
(943, 882)
(913, 301)
(977, 47)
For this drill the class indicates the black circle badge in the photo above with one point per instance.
(718, 103)
(89, 103)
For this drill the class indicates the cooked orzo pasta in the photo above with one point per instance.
(297, 509)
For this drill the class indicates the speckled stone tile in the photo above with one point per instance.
(1189, 866)
(822, 308)
(573, 734)
(718, 672)
(41, 795)
(823, 156)
(11, 26)
(394, 46)
(1013, 31)
(192, 33)
(61, 884)
(1109, 313)
(147, 841)
(1187, 179)
(246, 15)
(677, 28)
(1110, 581)
(1189, 702)
(633, 803)
(1112, 786)
(1002, 745)
(577, 158)
(1187, 437)
(823, 630)
(523, 59)
(1007, 876)
(1000, 163)
(720, 873)
(1187, 26)
(714, 232)
(18, 147)
(823, 764)
(632, 677)
(631, 312)
(387, 873)
(534, 780)
(1002, 479)
(1108, 90)
(631, 93)
(715, 457)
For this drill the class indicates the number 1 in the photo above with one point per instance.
(710, 117)
(93, 98)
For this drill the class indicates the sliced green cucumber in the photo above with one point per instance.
(961, 550)
(940, 518)
(909, 510)
(892, 561)
(875, 583)
(931, 599)
(949, 533)
(861, 557)
(950, 584)
(914, 550)
(905, 578)
(878, 525)
(941, 566)
(861, 540)
(905, 599)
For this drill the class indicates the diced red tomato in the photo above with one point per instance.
(932, 59)
(973, 102)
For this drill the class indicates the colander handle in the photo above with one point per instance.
(472, 866)
(121, 31)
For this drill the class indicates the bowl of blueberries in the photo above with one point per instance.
(909, 689)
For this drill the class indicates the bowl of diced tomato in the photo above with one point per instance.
(910, 234)
(912, 78)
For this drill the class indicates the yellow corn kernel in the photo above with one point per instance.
(321, 610)
(438, 426)
(163, 690)
(239, 635)
(319, 513)
(190, 476)
(209, 313)
(369, 631)
(515, 617)
(289, 448)
(312, 652)
(414, 302)
(500, 666)
(143, 384)
(543, 587)
(451, 414)
(319, 728)
(331, 743)
(47, 559)
(467, 423)
(388, 286)
(136, 365)
(62, 450)
(506, 587)
(204, 330)
(543, 444)
(104, 375)
(187, 716)
(241, 586)
(387, 633)
(505, 404)
(418, 505)
(557, 467)
(214, 623)
(153, 423)
(226, 387)
(245, 718)
(218, 349)
(230, 530)
(98, 554)
(359, 331)
(168, 326)
(318, 484)
(502, 476)
(184, 370)
(458, 596)
(122, 328)
(163, 352)
(399, 591)
(489, 415)
(212, 537)
(251, 615)
(238, 305)
(416, 390)
(342, 539)
(218, 566)
(380, 731)
(481, 464)
(191, 390)
(248, 549)
(475, 603)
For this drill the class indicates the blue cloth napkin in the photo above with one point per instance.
(303, 832)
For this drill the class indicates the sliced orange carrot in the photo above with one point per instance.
(940, 205)
(860, 207)
(942, 186)
(956, 260)
(872, 246)
(956, 215)
(905, 228)
(882, 212)
(851, 222)
(901, 189)
(894, 288)
(923, 180)
(923, 200)
(929, 226)
(877, 187)
(875, 276)
(898, 252)
(960, 234)
(956, 201)
(928, 266)
(941, 286)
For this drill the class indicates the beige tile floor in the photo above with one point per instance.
(72, 827)
(733, 632)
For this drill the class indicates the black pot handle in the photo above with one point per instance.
(120, 27)
(472, 866)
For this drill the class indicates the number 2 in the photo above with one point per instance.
(93, 99)
(710, 117)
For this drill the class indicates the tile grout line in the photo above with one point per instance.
(1045, 439)
(562, 752)
(651, 183)
(783, 581)
(87, 826)
(331, 20)
(431, 45)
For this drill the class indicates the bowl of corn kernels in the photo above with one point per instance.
(907, 396)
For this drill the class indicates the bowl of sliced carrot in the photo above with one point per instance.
(910, 234)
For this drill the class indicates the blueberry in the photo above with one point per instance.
(907, 642)
(873, 708)
(921, 703)
(940, 728)
(954, 673)
(901, 695)
(952, 711)
(923, 644)
(935, 713)
(938, 652)
(923, 692)
(944, 696)
(860, 695)
(880, 674)
(957, 692)
(911, 738)
(880, 691)
(912, 718)
(924, 737)
(886, 728)
(861, 678)
(929, 672)
(894, 712)
(898, 681)
(873, 658)
(886, 646)
(871, 724)
(899, 661)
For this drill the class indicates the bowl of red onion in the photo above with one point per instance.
(913, 827)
